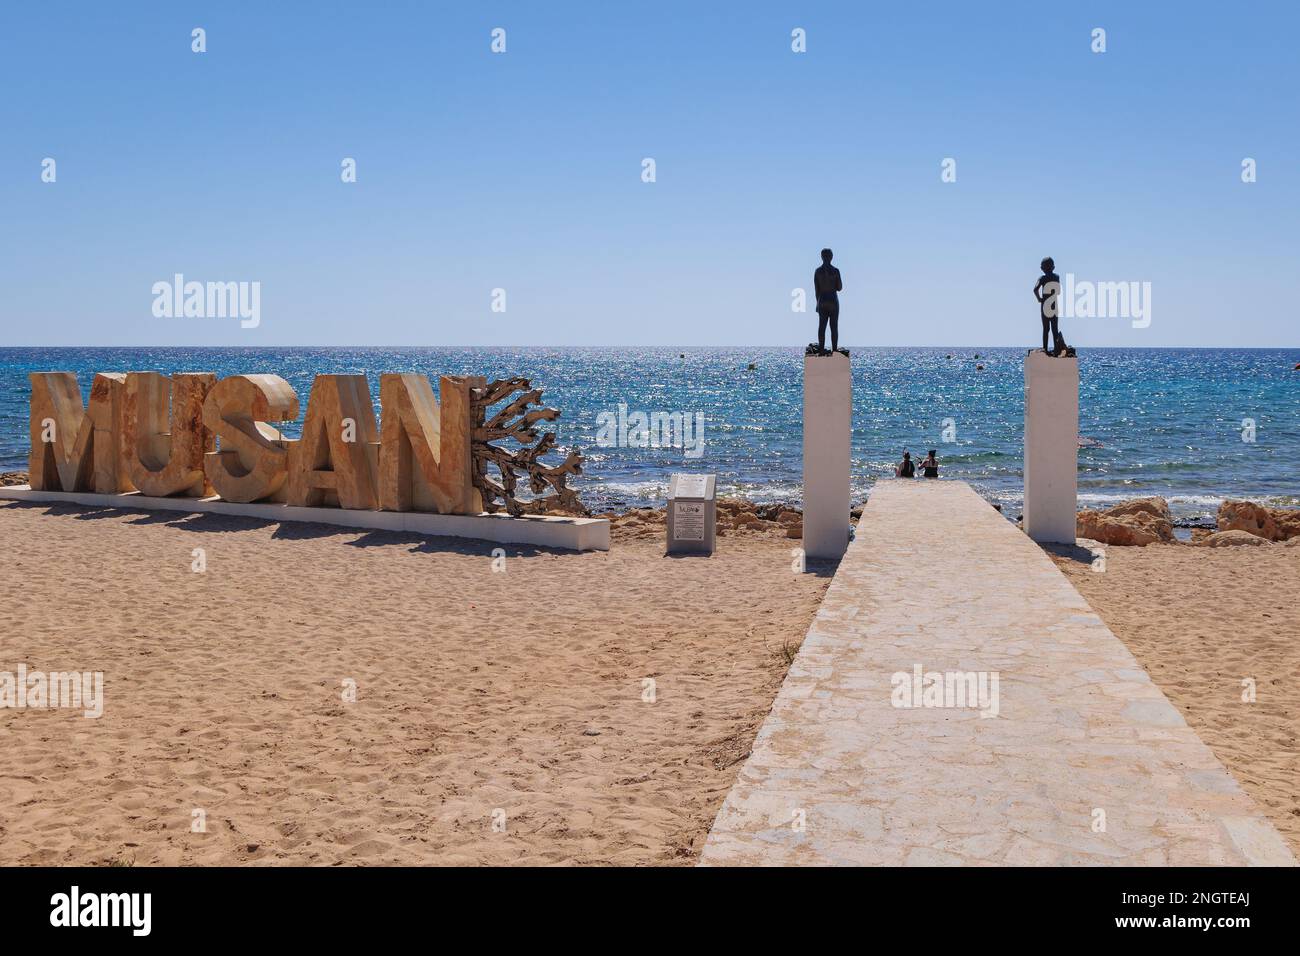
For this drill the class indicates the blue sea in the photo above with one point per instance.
(1156, 421)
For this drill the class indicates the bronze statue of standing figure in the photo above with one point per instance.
(826, 286)
(1047, 292)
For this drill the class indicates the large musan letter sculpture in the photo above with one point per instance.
(159, 435)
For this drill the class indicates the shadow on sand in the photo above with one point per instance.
(209, 523)
(1074, 552)
(822, 568)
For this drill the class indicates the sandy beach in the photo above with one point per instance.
(499, 715)
(512, 697)
(1201, 620)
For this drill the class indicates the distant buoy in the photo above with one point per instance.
(977, 355)
(683, 355)
(752, 366)
(947, 356)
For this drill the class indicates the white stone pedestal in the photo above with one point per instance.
(827, 428)
(1051, 447)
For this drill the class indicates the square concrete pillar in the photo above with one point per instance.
(1051, 447)
(827, 430)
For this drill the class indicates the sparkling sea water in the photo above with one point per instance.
(1158, 421)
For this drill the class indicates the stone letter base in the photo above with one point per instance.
(574, 534)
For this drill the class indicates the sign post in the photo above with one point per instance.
(692, 514)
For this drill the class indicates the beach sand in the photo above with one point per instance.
(1201, 620)
(482, 696)
(513, 697)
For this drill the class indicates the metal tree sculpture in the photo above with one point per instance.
(516, 421)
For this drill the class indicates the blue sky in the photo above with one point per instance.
(522, 170)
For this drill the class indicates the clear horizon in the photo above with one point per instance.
(656, 345)
(523, 171)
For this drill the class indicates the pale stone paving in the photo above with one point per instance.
(937, 577)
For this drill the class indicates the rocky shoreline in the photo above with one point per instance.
(1134, 523)
(736, 517)
(1144, 521)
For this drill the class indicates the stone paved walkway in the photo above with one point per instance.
(937, 579)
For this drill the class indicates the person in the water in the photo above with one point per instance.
(827, 286)
(905, 468)
(930, 466)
